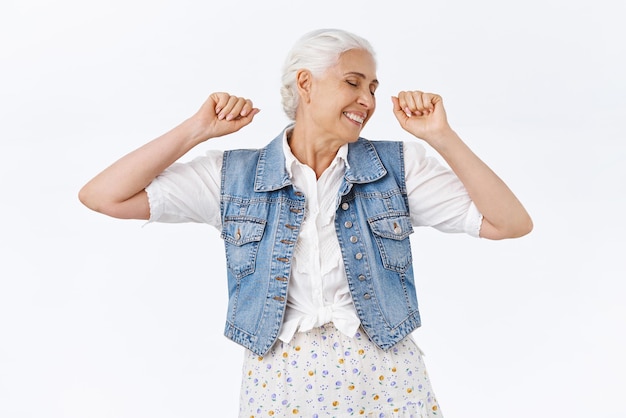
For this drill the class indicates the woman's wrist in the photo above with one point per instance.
(193, 131)
(443, 140)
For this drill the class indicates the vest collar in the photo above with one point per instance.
(364, 163)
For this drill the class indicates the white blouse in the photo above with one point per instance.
(318, 287)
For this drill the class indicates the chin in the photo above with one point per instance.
(350, 138)
(354, 135)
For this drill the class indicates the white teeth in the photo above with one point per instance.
(354, 117)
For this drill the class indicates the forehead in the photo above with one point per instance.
(357, 60)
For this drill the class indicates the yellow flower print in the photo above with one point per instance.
(381, 378)
(335, 403)
(351, 387)
(297, 348)
(295, 411)
(341, 361)
(285, 355)
(376, 397)
(311, 372)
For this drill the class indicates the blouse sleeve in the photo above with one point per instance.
(437, 198)
(188, 192)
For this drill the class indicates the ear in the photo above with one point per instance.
(304, 79)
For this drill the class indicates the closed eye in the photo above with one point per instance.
(356, 84)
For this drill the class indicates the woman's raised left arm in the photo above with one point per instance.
(423, 115)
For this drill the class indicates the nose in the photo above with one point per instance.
(366, 99)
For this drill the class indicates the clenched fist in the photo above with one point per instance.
(421, 114)
(222, 114)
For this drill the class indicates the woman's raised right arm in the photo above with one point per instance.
(118, 191)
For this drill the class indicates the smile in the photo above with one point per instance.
(355, 117)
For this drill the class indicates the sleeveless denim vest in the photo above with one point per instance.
(261, 218)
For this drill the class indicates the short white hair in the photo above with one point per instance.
(316, 51)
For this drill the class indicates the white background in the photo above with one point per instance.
(105, 318)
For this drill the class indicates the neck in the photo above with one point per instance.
(315, 150)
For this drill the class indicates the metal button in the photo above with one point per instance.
(348, 224)
(353, 239)
(366, 296)
(358, 256)
(237, 236)
(345, 206)
(397, 228)
(279, 298)
(361, 277)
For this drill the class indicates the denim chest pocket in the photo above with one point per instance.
(391, 232)
(242, 235)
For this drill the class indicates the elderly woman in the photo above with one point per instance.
(316, 229)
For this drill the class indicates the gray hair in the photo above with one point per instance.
(316, 51)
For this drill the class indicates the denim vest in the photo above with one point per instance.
(261, 218)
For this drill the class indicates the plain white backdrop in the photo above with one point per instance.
(108, 318)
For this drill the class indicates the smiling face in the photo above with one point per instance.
(342, 99)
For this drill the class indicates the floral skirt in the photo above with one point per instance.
(323, 373)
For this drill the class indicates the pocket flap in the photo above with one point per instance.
(240, 230)
(393, 225)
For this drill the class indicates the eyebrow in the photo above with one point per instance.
(375, 81)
